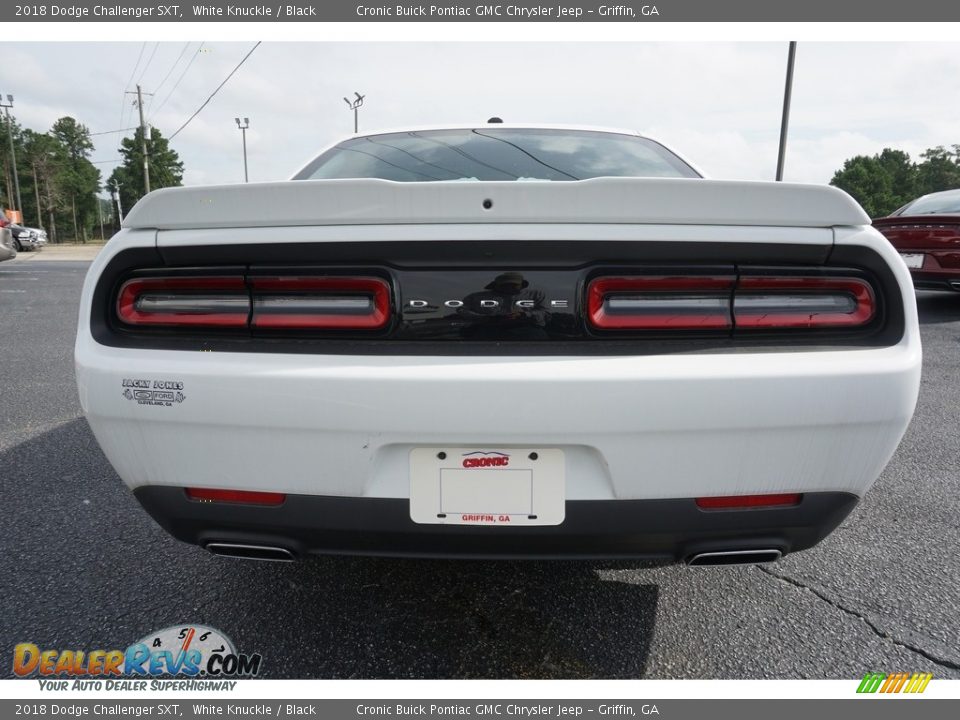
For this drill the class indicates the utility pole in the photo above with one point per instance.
(116, 196)
(785, 120)
(143, 139)
(13, 153)
(355, 106)
(243, 129)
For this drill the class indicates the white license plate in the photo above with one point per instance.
(913, 260)
(487, 486)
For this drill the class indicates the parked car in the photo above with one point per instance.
(26, 238)
(499, 341)
(7, 249)
(926, 232)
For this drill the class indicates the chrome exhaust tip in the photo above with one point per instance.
(955, 284)
(735, 557)
(268, 553)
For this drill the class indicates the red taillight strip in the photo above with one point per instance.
(744, 502)
(239, 497)
(233, 313)
(675, 302)
(275, 302)
(758, 286)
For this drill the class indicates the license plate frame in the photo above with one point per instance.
(494, 487)
(914, 261)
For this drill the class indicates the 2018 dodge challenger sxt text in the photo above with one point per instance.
(499, 341)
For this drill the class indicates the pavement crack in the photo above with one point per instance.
(942, 662)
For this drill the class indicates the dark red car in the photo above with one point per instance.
(926, 232)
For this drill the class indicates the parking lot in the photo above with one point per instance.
(84, 567)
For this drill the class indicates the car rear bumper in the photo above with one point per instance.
(668, 530)
(638, 427)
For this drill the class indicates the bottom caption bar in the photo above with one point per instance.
(761, 709)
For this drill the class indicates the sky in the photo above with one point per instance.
(719, 104)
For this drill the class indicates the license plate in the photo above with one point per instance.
(913, 260)
(487, 486)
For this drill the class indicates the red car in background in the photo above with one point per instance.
(926, 233)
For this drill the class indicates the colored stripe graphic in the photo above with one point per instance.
(894, 683)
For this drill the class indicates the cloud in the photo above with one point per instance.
(718, 103)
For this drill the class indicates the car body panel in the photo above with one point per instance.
(655, 427)
(936, 237)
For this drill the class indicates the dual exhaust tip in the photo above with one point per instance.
(735, 557)
(268, 553)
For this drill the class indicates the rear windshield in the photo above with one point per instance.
(496, 154)
(943, 203)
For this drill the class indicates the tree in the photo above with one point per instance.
(880, 183)
(77, 178)
(940, 170)
(166, 169)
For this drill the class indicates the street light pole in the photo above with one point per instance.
(13, 153)
(785, 120)
(243, 129)
(355, 106)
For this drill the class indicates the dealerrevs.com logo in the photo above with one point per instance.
(189, 651)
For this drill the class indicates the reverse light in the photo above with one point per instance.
(237, 497)
(329, 302)
(660, 302)
(746, 502)
(195, 301)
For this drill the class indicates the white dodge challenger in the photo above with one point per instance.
(499, 341)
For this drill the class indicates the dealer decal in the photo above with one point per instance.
(163, 393)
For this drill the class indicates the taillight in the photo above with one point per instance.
(329, 302)
(193, 301)
(746, 502)
(747, 302)
(269, 302)
(653, 302)
(767, 302)
(238, 497)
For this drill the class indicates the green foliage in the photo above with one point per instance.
(882, 183)
(166, 169)
(58, 183)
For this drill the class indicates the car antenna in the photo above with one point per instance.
(495, 120)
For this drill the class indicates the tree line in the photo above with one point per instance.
(889, 180)
(60, 186)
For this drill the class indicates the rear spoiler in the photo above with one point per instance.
(673, 201)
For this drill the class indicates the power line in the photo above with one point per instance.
(179, 79)
(207, 101)
(169, 73)
(123, 98)
(149, 61)
(112, 132)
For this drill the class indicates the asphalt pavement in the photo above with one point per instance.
(82, 566)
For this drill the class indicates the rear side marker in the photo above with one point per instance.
(747, 502)
(236, 497)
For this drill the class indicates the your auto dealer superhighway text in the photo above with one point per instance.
(510, 11)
